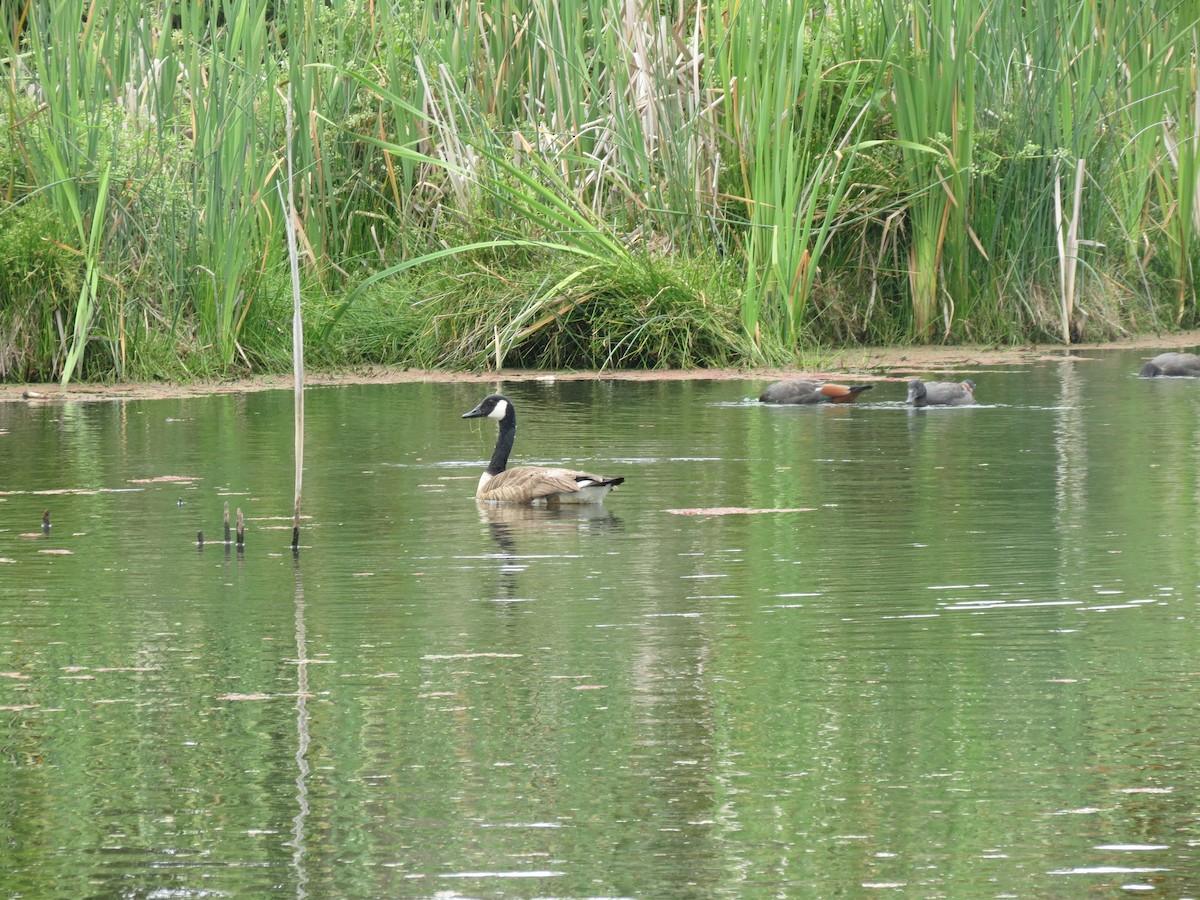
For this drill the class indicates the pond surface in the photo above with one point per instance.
(941, 653)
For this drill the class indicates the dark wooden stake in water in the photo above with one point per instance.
(227, 540)
(46, 521)
(241, 529)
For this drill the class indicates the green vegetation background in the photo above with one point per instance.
(587, 183)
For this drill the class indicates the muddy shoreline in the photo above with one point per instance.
(861, 363)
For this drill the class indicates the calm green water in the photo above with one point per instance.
(969, 668)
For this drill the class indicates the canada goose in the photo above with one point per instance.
(530, 484)
(801, 390)
(941, 393)
(1172, 364)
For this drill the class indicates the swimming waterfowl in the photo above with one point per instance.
(941, 393)
(802, 390)
(1172, 364)
(530, 484)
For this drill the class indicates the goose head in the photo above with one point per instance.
(493, 406)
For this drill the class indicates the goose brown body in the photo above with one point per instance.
(941, 393)
(530, 484)
(803, 390)
(1185, 365)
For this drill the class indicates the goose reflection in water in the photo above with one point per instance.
(527, 533)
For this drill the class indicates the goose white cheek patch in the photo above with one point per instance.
(499, 411)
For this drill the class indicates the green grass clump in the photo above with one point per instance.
(642, 313)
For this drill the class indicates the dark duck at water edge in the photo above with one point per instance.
(530, 484)
(803, 390)
(941, 393)
(1185, 365)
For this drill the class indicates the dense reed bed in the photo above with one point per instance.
(586, 183)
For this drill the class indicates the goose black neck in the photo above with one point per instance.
(504, 443)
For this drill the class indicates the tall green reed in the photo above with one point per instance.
(1181, 193)
(156, 132)
(1144, 51)
(349, 202)
(233, 122)
(72, 143)
(814, 147)
(552, 149)
(104, 145)
(1046, 72)
(619, 95)
(933, 65)
(795, 123)
(1082, 39)
(642, 117)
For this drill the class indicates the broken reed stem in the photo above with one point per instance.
(241, 529)
(1068, 247)
(227, 522)
(289, 206)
